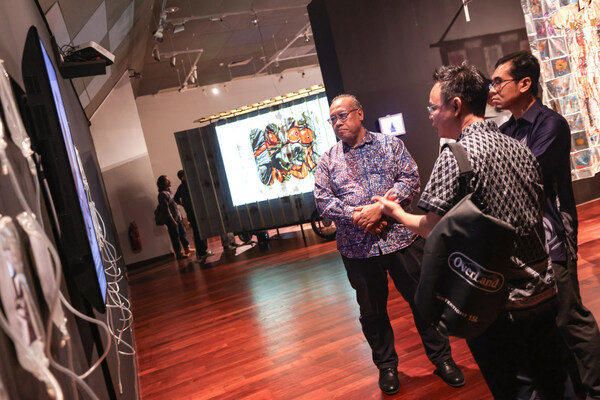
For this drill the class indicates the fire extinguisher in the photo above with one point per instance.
(134, 237)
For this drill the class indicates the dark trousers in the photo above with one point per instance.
(178, 237)
(201, 244)
(521, 350)
(577, 325)
(369, 277)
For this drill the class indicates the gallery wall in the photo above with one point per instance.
(127, 172)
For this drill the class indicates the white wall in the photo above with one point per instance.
(166, 113)
(135, 144)
(125, 165)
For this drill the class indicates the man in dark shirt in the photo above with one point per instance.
(546, 133)
(360, 165)
(524, 340)
(182, 196)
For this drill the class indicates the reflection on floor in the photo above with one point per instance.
(281, 322)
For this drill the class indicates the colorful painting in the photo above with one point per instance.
(283, 152)
(565, 36)
(272, 153)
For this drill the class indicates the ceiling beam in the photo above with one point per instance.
(275, 58)
(219, 17)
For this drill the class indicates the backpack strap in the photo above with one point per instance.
(464, 167)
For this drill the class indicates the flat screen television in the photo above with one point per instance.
(272, 153)
(392, 124)
(52, 140)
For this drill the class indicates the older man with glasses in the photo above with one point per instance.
(361, 165)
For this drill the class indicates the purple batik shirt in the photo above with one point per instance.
(348, 177)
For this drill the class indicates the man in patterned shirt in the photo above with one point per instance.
(546, 133)
(524, 341)
(361, 165)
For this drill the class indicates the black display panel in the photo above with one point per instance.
(52, 141)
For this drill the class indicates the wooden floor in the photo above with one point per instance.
(282, 323)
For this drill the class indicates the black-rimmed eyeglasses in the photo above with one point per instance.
(342, 116)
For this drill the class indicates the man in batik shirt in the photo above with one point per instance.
(363, 164)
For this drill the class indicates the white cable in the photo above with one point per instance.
(59, 295)
(114, 299)
(22, 323)
(37, 328)
(17, 131)
(117, 300)
(15, 124)
(93, 321)
(20, 137)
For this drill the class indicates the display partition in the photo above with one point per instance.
(255, 171)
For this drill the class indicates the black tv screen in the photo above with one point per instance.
(52, 140)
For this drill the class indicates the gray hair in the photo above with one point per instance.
(355, 102)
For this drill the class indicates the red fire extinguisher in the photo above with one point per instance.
(134, 237)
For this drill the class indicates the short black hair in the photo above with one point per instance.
(161, 182)
(466, 82)
(180, 174)
(524, 64)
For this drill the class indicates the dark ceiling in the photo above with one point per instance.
(225, 40)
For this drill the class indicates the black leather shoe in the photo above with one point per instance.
(450, 373)
(388, 380)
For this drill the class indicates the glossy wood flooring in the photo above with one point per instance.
(283, 323)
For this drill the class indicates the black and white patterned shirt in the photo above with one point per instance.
(506, 184)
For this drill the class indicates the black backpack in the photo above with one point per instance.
(462, 288)
(161, 215)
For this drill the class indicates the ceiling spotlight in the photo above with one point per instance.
(215, 90)
(171, 10)
(173, 61)
(133, 74)
(179, 27)
(306, 39)
(158, 33)
(156, 53)
(254, 20)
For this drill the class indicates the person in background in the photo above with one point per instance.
(175, 226)
(546, 133)
(523, 346)
(361, 164)
(228, 241)
(182, 197)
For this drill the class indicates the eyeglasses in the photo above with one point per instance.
(432, 108)
(497, 83)
(342, 116)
